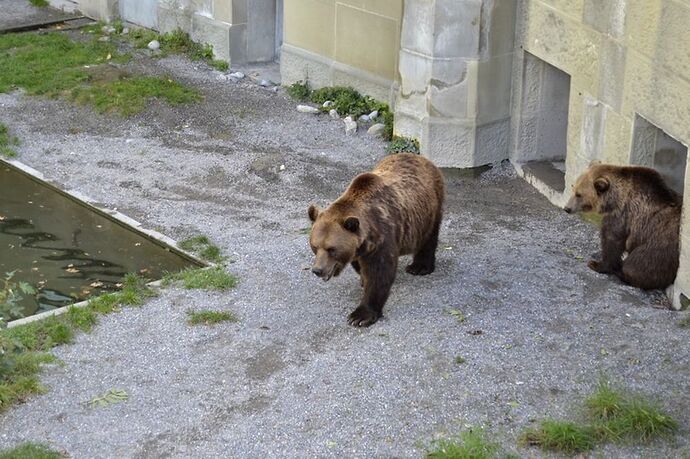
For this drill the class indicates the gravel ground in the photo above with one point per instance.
(19, 12)
(292, 379)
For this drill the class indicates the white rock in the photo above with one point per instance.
(106, 38)
(154, 45)
(328, 103)
(238, 75)
(107, 29)
(265, 83)
(282, 167)
(373, 115)
(350, 126)
(376, 129)
(125, 31)
(307, 109)
(334, 113)
(364, 118)
(221, 77)
(275, 89)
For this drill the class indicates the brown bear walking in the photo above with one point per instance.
(641, 217)
(394, 210)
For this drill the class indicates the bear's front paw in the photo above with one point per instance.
(363, 317)
(597, 266)
(419, 269)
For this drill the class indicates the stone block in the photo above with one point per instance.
(448, 89)
(356, 33)
(606, 16)
(572, 8)
(617, 138)
(491, 144)
(216, 34)
(494, 88)
(310, 25)
(501, 28)
(457, 28)
(299, 65)
(418, 27)
(415, 72)
(261, 30)
(448, 143)
(389, 8)
(173, 18)
(611, 73)
(104, 10)
(223, 11)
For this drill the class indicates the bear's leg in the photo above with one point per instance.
(612, 247)
(378, 274)
(358, 270)
(648, 268)
(424, 261)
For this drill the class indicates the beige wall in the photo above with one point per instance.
(625, 58)
(351, 42)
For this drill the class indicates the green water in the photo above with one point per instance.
(66, 250)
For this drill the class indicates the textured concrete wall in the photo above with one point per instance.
(343, 42)
(455, 67)
(628, 60)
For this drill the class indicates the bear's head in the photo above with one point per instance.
(334, 240)
(589, 191)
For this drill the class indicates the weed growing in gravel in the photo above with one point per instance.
(685, 321)
(210, 317)
(612, 415)
(346, 100)
(460, 360)
(178, 42)
(7, 141)
(54, 65)
(471, 444)
(39, 3)
(403, 145)
(214, 278)
(23, 348)
(31, 451)
(202, 246)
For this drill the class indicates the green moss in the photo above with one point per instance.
(39, 3)
(471, 444)
(202, 246)
(30, 451)
(210, 317)
(214, 278)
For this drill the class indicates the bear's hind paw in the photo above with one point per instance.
(419, 269)
(363, 317)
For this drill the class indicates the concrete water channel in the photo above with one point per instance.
(69, 250)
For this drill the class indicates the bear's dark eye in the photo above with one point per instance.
(578, 195)
(331, 251)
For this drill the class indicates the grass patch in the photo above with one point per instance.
(129, 95)
(7, 141)
(39, 3)
(30, 451)
(459, 360)
(612, 415)
(346, 100)
(403, 145)
(566, 437)
(203, 247)
(214, 278)
(210, 317)
(23, 349)
(471, 444)
(54, 65)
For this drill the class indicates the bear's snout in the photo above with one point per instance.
(317, 271)
(568, 209)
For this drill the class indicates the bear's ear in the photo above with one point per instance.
(313, 213)
(602, 184)
(351, 224)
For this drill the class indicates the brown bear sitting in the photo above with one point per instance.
(641, 217)
(394, 210)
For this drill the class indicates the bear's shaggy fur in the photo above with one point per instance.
(641, 216)
(394, 210)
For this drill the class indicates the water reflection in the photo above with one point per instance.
(65, 250)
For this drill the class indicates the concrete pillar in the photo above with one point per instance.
(103, 10)
(455, 70)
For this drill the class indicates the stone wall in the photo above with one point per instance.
(343, 42)
(239, 30)
(629, 102)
